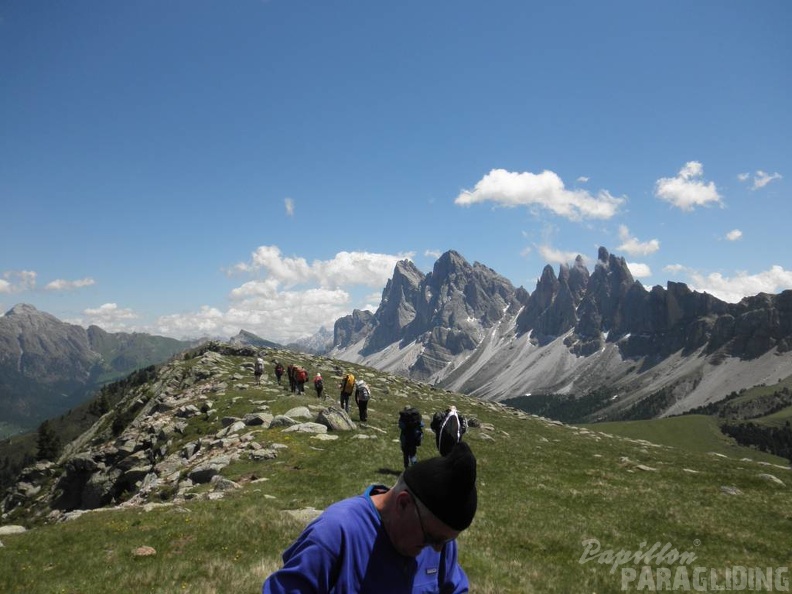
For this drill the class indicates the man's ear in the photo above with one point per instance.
(403, 499)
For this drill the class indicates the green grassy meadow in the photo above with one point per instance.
(544, 489)
(697, 433)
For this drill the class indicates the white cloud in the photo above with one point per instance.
(290, 298)
(433, 254)
(17, 281)
(632, 246)
(373, 301)
(355, 268)
(108, 317)
(208, 321)
(260, 307)
(639, 270)
(734, 235)
(65, 285)
(674, 268)
(543, 190)
(268, 258)
(582, 179)
(742, 284)
(554, 256)
(687, 191)
(289, 204)
(761, 179)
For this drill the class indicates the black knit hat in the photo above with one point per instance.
(447, 486)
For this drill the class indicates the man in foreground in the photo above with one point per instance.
(388, 540)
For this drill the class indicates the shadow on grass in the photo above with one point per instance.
(389, 471)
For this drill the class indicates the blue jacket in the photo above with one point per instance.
(347, 550)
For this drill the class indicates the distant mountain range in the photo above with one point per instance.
(48, 366)
(597, 340)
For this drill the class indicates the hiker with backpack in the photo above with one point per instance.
(347, 387)
(387, 540)
(290, 374)
(449, 427)
(362, 395)
(300, 377)
(411, 436)
(258, 369)
(318, 384)
(278, 371)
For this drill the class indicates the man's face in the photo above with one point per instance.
(418, 528)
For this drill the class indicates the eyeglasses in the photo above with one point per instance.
(429, 540)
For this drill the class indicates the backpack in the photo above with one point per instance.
(279, 369)
(302, 375)
(259, 368)
(348, 384)
(447, 437)
(318, 383)
(363, 393)
(410, 422)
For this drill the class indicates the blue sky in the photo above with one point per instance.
(199, 167)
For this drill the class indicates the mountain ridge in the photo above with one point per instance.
(47, 366)
(465, 328)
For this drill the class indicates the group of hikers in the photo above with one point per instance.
(448, 426)
(297, 377)
(388, 539)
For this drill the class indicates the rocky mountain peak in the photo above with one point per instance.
(550, 309)
(352, 328)
(26, 315)
(467, 320)
(397, 309)
(449, 263)
(446, 310)
(22, 309)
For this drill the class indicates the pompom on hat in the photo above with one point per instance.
(447, 486)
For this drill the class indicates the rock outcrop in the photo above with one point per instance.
(164, 438)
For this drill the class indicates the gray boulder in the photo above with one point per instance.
(259, 418)
(203, 473)
(299, 412)
(282, 421)
(336, 419)
(307, 428)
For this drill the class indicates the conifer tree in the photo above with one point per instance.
(49, 445)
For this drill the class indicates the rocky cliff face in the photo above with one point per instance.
(48, 366)
(461, 325)
(446, 312)
(397, 308)
(350, 329)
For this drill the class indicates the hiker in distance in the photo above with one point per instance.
(318, 385)
(347, 387)
(388, 541)
(449, 427)
(411, 434)
(290, 375)
(300, 377)
(362, 395)
(278, 371)
(258, 369)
